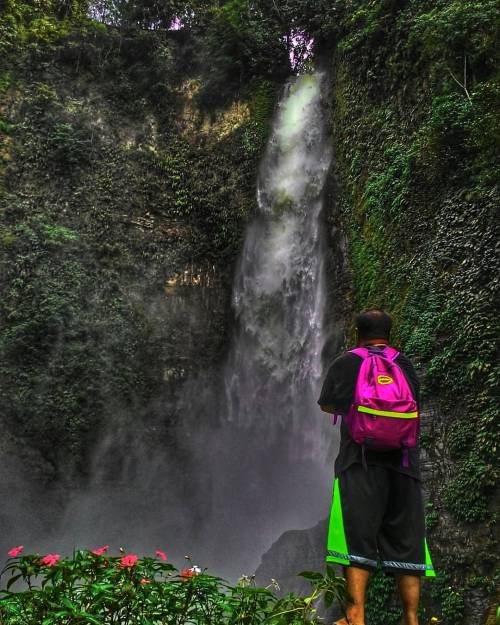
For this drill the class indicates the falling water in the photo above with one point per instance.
(270, 471)
(275, 364)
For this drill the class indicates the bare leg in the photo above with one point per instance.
(409, 591)
(357, 579)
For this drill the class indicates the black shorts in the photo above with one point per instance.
(377, 519)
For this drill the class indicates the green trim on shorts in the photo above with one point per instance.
(429, 572)
(336, 535)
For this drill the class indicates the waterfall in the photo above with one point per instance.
(269, 459)
(274, 368)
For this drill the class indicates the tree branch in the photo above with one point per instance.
(464, 84)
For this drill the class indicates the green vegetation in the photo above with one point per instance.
(94, 588)
(108, 191)
(417, 135)
(381, 610)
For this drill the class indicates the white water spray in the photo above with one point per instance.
(268, 467)
(274, 368)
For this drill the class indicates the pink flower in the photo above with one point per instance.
(101, 551)
(128, 561)
(161, 554)
(144, 581)
(15, 551)
(51, 559)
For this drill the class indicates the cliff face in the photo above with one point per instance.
(123, 205)
(416, 145)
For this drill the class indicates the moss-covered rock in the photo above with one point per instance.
(118, 195)
(416, 142)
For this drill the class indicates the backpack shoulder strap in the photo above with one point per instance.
(362, 352)
(391, 353)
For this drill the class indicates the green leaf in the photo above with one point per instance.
(311, 575)
(329, 598)
(13, 580)
(89, 618)
(69, 604)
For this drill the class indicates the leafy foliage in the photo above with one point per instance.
(242, 43)
(94, 588)
(105, 197)
(416, 140)
(379, 595)
(451, 599)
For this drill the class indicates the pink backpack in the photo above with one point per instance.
(383, 415)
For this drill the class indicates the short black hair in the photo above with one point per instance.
(373, 323)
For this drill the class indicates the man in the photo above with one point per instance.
(377, 514)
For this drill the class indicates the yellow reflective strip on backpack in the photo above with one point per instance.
(388, 413)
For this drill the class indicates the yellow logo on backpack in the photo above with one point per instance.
(384, 379)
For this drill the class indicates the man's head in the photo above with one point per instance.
(373, 323)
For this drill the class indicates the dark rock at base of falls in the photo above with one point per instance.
(296, 551)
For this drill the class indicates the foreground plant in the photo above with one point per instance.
(92, 587)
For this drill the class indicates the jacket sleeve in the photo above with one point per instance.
(338, 387)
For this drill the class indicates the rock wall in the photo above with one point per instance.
(415, 178)
(418, 194)
(122, 207)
